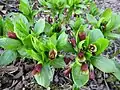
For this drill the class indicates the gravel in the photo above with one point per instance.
(113, 4)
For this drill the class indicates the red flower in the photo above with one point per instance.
(84, 67)
(67, 71)
(37, 69)
(82, 36)
(11, 35)
(81, 54)
(91, 75)
(73, 42)
(67, 60)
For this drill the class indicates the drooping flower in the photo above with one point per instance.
(92, 48)
(82, 35)
(67, 71)
(73, 42)
(84, 68)
(11, 35)
(92, 75)
(52, 54)
(81, 56)
(67, 59)
(37, 69)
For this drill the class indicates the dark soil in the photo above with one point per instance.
(17, 76)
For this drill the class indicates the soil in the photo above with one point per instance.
(17, 76)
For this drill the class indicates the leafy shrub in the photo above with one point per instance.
(67, 29)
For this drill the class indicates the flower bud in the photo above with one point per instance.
(52, 54)
(67, 60)
(84, 67)
(81, 56)
(37, 69)
(11, 35)
(67, 71)
(73, 42)
(82, 35)
(92, 75)
(92, 48)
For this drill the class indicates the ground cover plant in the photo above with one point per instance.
(73, 38)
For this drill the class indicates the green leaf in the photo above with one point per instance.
(58, 62)
(104, 64)
(53, 39)
(8, 43)
(91, 19)
(7, 57)
(79, 78)
(37, 44)
(63, 44)
(107, 14)
(47, 29)
(114, 22)
(25, 7)
(1, 26)
(39, 26)
(34, 55)
(117, 73)
(45, 76)
(95, 35)
(28, 42)
(21, 26)
(9, 24)
(112, 35)
(101, 44)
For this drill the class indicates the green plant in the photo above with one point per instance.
(25, 36)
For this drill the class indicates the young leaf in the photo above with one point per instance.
(45, 76)
(101, 44)
(95, 35)
(25, 7)
(91, 19)
(8, 43)
(104, 64)
(107, 14)
(58, 62)
(78, 76)
(34, 55)
(63, 44)
(28, 42)
(7, 57)
(112, 35)
(21, 26)
(39, 26)
(114, 22)
(117, 73)
(37, 44)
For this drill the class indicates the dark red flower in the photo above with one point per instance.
(81, 54)
(73, 42)
(92, 75)
(52, 54)
(82, 35)
(37, 69)
(67, 71)
(67, 60)
(11, 35)
(84, 67)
